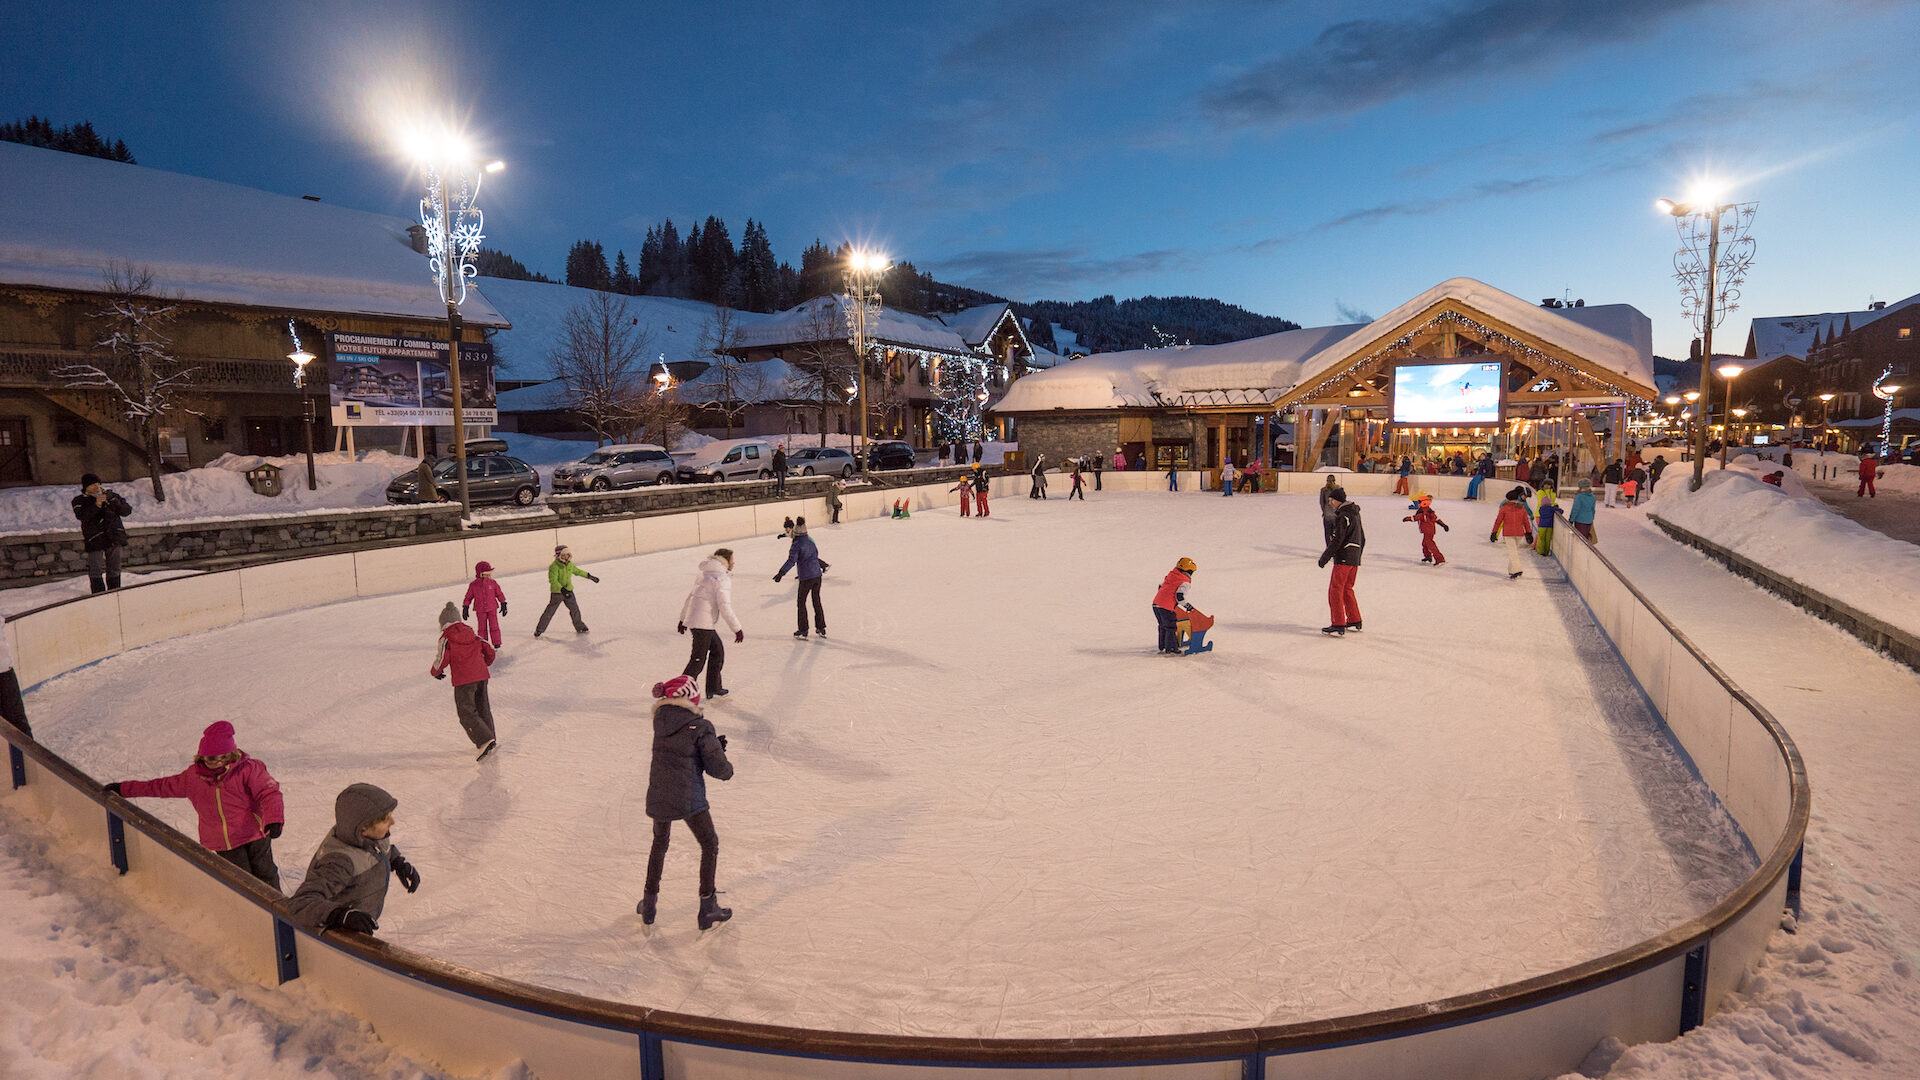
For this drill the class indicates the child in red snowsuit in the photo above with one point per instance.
(485, 596)
(1424, 517)
(238, 801)
(1869, 472)
(965, 488)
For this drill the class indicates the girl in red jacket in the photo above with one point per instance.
(1511, 523)
(1426, 519)
(965, 488)
(238, 801)
(463, 651)
(485, 596)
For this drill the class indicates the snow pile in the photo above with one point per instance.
(218, 491)
(1800, 539)
(100, 990)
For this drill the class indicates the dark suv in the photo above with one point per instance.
(890, 455)
(490, 478)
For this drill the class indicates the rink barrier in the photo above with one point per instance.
(469, 1021)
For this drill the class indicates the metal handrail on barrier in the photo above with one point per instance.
(1318, 1047)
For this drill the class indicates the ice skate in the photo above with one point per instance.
(801, 634)
(719, 694)
(487, 749)
(1354, 626)
(1515, 574)
(649, 904)
(1334, 631)
(711, 912)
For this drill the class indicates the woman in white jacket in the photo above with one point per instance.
(708, 605)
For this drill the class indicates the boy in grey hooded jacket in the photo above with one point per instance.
(346, 883)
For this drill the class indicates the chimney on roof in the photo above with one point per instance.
(417, 237)
(1876, 305)
(1579, 303)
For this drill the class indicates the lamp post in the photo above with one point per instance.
(453, 223)
(1673, 408)
(862, 267)
(1885, 390)
(1825, 401)
(1728, 372)
(1706, 297)
(1741, 415)
(301, 358)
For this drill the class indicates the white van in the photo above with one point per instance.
(741, 459)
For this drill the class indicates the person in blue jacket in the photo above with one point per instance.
(803, 557)
(1581, 512)
(1482, 469)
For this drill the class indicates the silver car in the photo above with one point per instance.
(625, 465)
(821, 461)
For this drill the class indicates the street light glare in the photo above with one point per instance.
(1673, 401)
(1826, 397)
(1665, 206)
(496, 165)
(300, 357)
(1692, 395)
(1730, 371)
(1706, 193)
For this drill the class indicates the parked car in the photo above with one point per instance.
(821, 460)
(739, 460)
(491, 478)
(624, 465)
(890, 455)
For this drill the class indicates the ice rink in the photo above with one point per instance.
(984, 806)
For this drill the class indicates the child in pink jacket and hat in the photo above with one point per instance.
(241, 812)
(485, 596)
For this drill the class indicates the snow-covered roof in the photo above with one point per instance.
(1790, 335)
(800, 324)
(549, 396)
(538, 309)
(1248, 372)
(65, 218)
(1588, 336)
(761, 381)
(976, 324)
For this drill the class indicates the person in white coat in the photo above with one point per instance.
(708, 605)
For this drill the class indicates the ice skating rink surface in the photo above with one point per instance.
(984, 806)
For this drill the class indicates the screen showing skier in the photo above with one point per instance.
(1446, 394)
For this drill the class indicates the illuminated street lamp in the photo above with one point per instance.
(1884, 391)
(1826, 399)
(1707, 289)
(1741, 415)
(1728, 372)
(452, 219)
(301, 358)
(863, 302)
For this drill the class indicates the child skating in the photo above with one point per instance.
(1424, 517)
(1510, 524)
(238, 801)
(686, 751)
(709, 604)
(1543, 528)
(485, 596)
(560, 577)
(1170, 601)
(468, 656)
(965, 488)
(803, 557)
(346, 883)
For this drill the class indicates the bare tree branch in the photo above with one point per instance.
(601, 360)
(138, 368)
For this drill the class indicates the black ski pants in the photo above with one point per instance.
(710, 652)
(810, 587)
(12, 708)
(256, 858)
(475, 711)
(702, 826)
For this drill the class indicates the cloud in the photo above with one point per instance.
(1361, 63)
(1349, 314)
(1056, 271)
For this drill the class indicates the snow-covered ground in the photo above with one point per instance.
(1839, 997)
(983, 805)
(1798, 537)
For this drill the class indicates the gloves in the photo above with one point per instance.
(825, 566)
(503, 607)
(1443, 527)
(723, 742)
(404, 870)
(1493, 538)
(465, 613)
(682, 627)
(593, 579)
(1323, 561)
(350, 919)
(440, 675)
(776, 579)
(1406, 519)
(113, 788)
(273, 830)
(739, 636)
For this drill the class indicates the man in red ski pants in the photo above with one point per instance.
(1869, 469)
(1345, 543)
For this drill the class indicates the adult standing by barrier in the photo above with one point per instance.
(100, 510)
(1580, 514)
(1097, 459)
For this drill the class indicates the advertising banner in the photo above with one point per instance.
(1447, 394)
(375, 381)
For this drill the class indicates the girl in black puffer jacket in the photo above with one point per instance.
(685, 752)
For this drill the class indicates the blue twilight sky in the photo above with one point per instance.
(1311, 160)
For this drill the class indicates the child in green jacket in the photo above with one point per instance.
(560, 577)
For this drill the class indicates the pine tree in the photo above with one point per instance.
(673, 259)
(587, 266)
(649, 276)
(712, 258)
(499, 264)
(818, 272)
(622, 277)
(77, 139)
(759, 273)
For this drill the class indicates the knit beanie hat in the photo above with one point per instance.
(217, 739)
(449, 615)
(89, 480)
(1337, 493)
(680, 686)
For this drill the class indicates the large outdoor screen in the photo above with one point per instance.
(1446, 394)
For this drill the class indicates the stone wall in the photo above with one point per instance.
(586, 506)
(1066, 437)
(33, 555)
